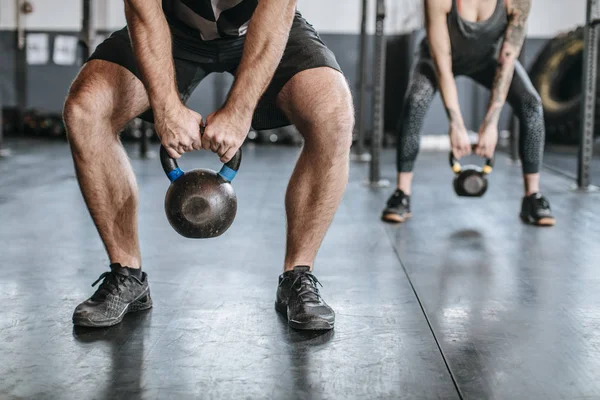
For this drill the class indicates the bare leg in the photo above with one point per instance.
(102, 99)
(532, 183)
(405, 182)
(319, 103)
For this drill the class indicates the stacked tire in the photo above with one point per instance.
(557, 76)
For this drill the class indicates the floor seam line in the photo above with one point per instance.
(439, 346)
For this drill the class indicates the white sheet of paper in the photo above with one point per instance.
(65, 50)
(37, 48)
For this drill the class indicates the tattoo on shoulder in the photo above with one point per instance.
(522, 6)
(515, 32)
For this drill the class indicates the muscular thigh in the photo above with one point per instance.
(316, 98)
(112, 81)
(305, 56)
(109, 91)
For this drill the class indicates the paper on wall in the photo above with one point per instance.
(65, 50)
(37, 48)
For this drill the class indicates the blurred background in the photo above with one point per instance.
(41, 50)
(463, 298)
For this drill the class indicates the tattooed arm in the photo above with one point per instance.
(518, 11)
(436, 14)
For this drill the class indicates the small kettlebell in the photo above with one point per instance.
(200, 203)
(470, 180)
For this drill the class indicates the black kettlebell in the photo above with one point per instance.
(200, 203)
(470, 180)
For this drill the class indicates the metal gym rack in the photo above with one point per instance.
(376, 140)
(590, 70)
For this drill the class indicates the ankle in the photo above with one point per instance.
(128, 262)
(531, 183)
(289, 266)
(529, 192)
(405, 190)
(404, 182)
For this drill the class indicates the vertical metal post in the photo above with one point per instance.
(1, 124)
(4, 152)
(87, 28)
(378, 97)
(20, 69)
(590, 69)
(359, 151)
(20, 25)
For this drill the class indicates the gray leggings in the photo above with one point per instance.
(522, 97)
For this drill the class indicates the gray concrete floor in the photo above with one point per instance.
(462, 301)
(564, 160)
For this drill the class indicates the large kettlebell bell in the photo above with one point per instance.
(470, 180)
(200, 203)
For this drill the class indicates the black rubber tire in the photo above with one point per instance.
(556, 75)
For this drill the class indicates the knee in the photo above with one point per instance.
(81, 114)
(532, 109)
(76, 112)
(342, 120)
(417, 101)
(334, 126)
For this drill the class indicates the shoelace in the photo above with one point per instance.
(109, 285)
(397, 199)
(308, 290)
(542, 202)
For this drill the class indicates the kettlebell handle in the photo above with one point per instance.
(227, 172)
(457, 168)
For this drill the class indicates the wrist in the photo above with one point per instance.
(162, 104)
(492, 118)
(457, 123)
(241, 109)
(455, 117)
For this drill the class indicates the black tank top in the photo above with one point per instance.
(211, 19)
(474, 43)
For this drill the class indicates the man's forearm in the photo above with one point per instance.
(265, 43)
(513, 42)
(151, 41)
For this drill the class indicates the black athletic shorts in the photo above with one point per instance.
(195, 59)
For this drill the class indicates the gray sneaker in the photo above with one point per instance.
(397, 208)
(298, 298)
(535, 210)
(119, 293)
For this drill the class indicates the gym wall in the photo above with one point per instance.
(338, 21)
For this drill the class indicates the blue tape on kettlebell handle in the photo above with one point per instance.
(175, 174)
(227, 173)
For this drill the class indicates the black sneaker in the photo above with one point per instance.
(397, 208)
(535, 209)
(298, 298)
(120, 293)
